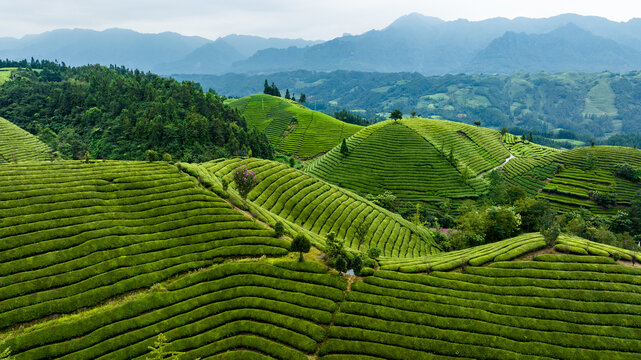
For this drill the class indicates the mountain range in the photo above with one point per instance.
(412, 43)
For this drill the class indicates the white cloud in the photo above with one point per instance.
(280, 18)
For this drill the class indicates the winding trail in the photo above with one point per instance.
(496, 167)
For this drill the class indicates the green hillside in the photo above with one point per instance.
(292, 128)
(416, 159)
(73, 234)
(19, 145)
(569, 178)
(550, 306)
(308, 205)
(5, 74)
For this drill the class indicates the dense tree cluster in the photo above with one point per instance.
(351, 118)
(272, 89)
(116, 113)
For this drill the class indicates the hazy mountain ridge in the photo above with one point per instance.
(164, 53)
(432, 46)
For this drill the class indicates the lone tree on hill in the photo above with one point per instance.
(477, 123)
(344, 148)
(245, 180)
(287, 94)
(302, 99)
(396, 115)
(302, 245)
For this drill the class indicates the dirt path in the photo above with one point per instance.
(496, 167)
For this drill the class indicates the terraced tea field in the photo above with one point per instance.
(416, 159)
(73, 234)
(475, 256)
(555, 307)
(320, 208)
(292, 128)
(17, 144)
(247, 310)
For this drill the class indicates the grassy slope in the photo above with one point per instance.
(564, 177)
(19, 145)
(75, 234)
(291, 127)
(600, 100)
(5, 75)
(411, 158)
(314, 207)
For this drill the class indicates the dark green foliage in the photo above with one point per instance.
(279, 229)
(302, 99)
(340, 264)
(272, 89)
(167, 158)
(87, 157)
(356, 264)
(334, 248)
(351, 118)
(225, 183)
(628, 172)
(287, 96)
(344, 149)
(301, 245)
(115, 113)
(605, 200)
(152, 155)
(551, 232)
(396, 115)
(374, 252)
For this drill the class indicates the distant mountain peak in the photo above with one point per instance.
(414, 20)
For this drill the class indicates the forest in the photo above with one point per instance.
(117, 113)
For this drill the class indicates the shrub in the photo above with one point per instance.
(366, 271)
(152, 156)
(628, 172)
(335, 248)
(374, 252)
(279, 228)
(604, 200)
(225, 184)
(87, 157)
(616, 256)
(245, 180)
(167, 158)
(158, 351)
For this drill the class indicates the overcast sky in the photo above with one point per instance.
(316, 19)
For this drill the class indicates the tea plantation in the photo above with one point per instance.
(292, 128)
(17, 144)
(416, 159)
(101, 259)
(302, 201)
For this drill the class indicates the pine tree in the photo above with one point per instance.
(344, 148)
(267, 89)
(287, 94)
(302, 98)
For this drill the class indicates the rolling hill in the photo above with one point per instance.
(291, 127)
(19, 145)
(311, 206)
(415, 159)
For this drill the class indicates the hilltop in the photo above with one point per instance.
(291, 127)
(415, 159)
(589, 104)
